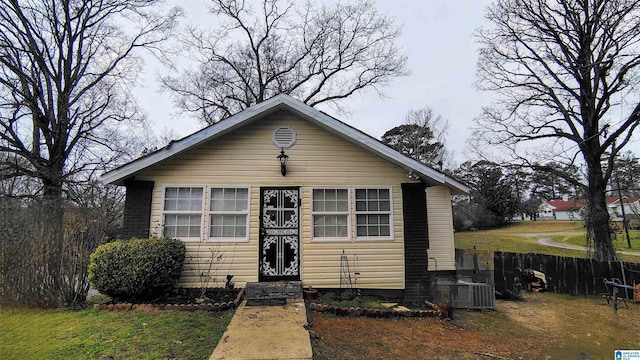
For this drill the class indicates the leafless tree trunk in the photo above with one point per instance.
(65, 67)
(316, 54)
(562, 68)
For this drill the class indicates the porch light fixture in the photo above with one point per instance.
(282, 159)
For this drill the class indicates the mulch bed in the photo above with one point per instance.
(377, 313)
(358, 307)
(184, 299)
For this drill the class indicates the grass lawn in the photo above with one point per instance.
(92, 334)
(523, 237)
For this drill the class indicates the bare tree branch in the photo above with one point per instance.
(317, 54)
(561, 68)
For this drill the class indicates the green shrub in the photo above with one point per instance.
(136, 269)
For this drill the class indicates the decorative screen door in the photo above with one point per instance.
(279, 234)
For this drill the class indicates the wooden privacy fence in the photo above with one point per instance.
(565, 275)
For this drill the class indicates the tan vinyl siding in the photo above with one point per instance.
(247, 158)
(440, 218)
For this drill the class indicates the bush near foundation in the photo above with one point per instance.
(136, 269)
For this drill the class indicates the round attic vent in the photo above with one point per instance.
(284, 137)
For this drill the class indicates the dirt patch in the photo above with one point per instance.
(543, 326)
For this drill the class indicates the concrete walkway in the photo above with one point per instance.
(548, 242)
(266, 332)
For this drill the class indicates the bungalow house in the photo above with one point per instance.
(572, 209)
(282, 191)
(562, 209)
(631, 208)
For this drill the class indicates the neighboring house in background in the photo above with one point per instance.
(573, 209)
(562, 209)
(222, 189)
(631, 208)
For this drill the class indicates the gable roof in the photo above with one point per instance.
(575, 204)
(566, 205)
(286, 103)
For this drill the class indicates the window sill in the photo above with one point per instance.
(330, 240)
(227, 240)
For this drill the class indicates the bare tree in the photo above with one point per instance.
(65, 67)
(567, 75)
(316, 54)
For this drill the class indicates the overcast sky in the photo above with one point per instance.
(437, 37)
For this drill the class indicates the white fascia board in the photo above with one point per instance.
(283, 102)
(372, 145)
(116, 176)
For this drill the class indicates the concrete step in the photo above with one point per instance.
(272, 293)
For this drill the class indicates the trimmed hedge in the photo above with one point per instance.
(136, 269)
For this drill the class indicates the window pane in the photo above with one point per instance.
(227, 231)
(215, 203)
(361, 194)
(183, 219)
(170, 193)
(318, 194)
(184, 193)
(343, 231)
(372, 206)
(229, 204)
(196, 193)
(384, 194)
(242, 193)
(183, 205)
(215, 231)
(170, 220)
(170, 205)
(195, 204)
(330, 231)
(241, 231)
(342, 205)
(385, 230)
(372, 194)
(182, 231)
(342, 195)
(241, 204)
(385, 206)
(361, 205)
(318, 205)
(232, 193)
(217, 194)
(194, 231)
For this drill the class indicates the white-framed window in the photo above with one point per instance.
(229, 214)
(182, 212)
(373, 213)
(330, 214)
